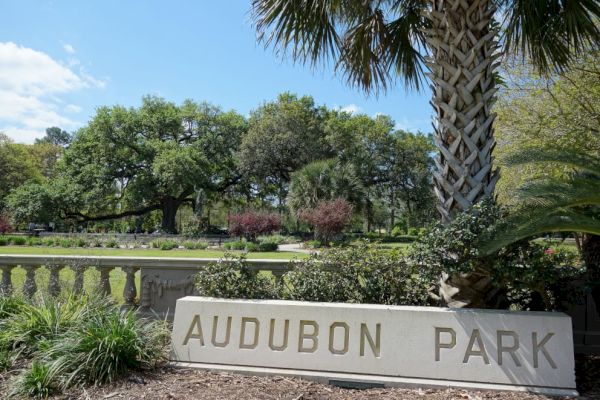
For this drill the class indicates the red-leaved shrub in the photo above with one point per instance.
(252, 223)
(5, 225)
(328, 218)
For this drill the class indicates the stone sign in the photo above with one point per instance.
(376, 344)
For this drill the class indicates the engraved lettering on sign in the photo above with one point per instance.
(346, 329)
(448, 344)
(286, 330)
(540, 346)
(195, 325)
(308, 336)
(476, 337)
(508, 349)
(243, 344)
(365, 334)
(213, 339)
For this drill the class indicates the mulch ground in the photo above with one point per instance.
(187, 384)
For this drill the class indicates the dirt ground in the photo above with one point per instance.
(187, 384)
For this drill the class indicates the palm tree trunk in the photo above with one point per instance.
(462, 63)
(464, 52)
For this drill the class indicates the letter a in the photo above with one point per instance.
(191, 335)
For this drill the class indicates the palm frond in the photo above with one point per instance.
(370, 42)
(550, 32)
(523, 226)
(577, 159)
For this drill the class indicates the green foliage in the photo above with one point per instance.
(232, 278)
(17, 165)
(34, 241)
(267, 245)
(18, 240)
(106, 346)
(168, 245)
(194, 245)
(39, 381)
(524, 267)
(6, 360)
(324, 180)
(4, 241)
(31, 202)
(235, 245)
(74, 340)
(65, 242)
(111, 243)
(361, 274)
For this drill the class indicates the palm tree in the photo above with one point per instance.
(458, 41)
(324, 180)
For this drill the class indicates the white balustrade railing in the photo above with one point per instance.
(162, 280)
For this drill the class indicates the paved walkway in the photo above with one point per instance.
(296, 247)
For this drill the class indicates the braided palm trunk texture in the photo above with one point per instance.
(464, 55)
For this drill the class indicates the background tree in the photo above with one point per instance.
(56, 136)
(17, 165)
(328, 218)
(282, 137)
(131, 161)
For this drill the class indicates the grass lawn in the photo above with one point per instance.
(79, 251)
(117, 277)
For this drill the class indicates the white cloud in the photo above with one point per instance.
(31, 83)
(351, 109)
(68, 48)
(72, 108)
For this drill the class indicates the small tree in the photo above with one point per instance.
(251, 224)
(328, 218)
(5, 225)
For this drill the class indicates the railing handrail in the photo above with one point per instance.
(148, 262)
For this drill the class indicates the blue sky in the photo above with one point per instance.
(59, 60)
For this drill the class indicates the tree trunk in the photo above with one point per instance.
(464, 52)
(590, 252)
(170, 205)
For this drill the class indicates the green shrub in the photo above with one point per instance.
(412, 231)
(361, 274)
(34, 241)
(39, 381)
(48, 242)
(252, 247)
(313, 244)
(168, 245)
(235, 245)
(525, 274)
(80, 242)
(65, 242)
(189, 245)
(193, 245)
(398, 230)
(156, 243)
(267, 246)
(112, 243)
(18, 240)
(201, 245)
(231, 278)
(3, 241)
(278, 239)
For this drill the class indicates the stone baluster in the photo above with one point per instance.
(54, 282)
(129, 292)
(78, 283)
(30, 286)
(105, 288)
(6, 286)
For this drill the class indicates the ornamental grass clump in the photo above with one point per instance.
(105, 346)
(83, 339)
